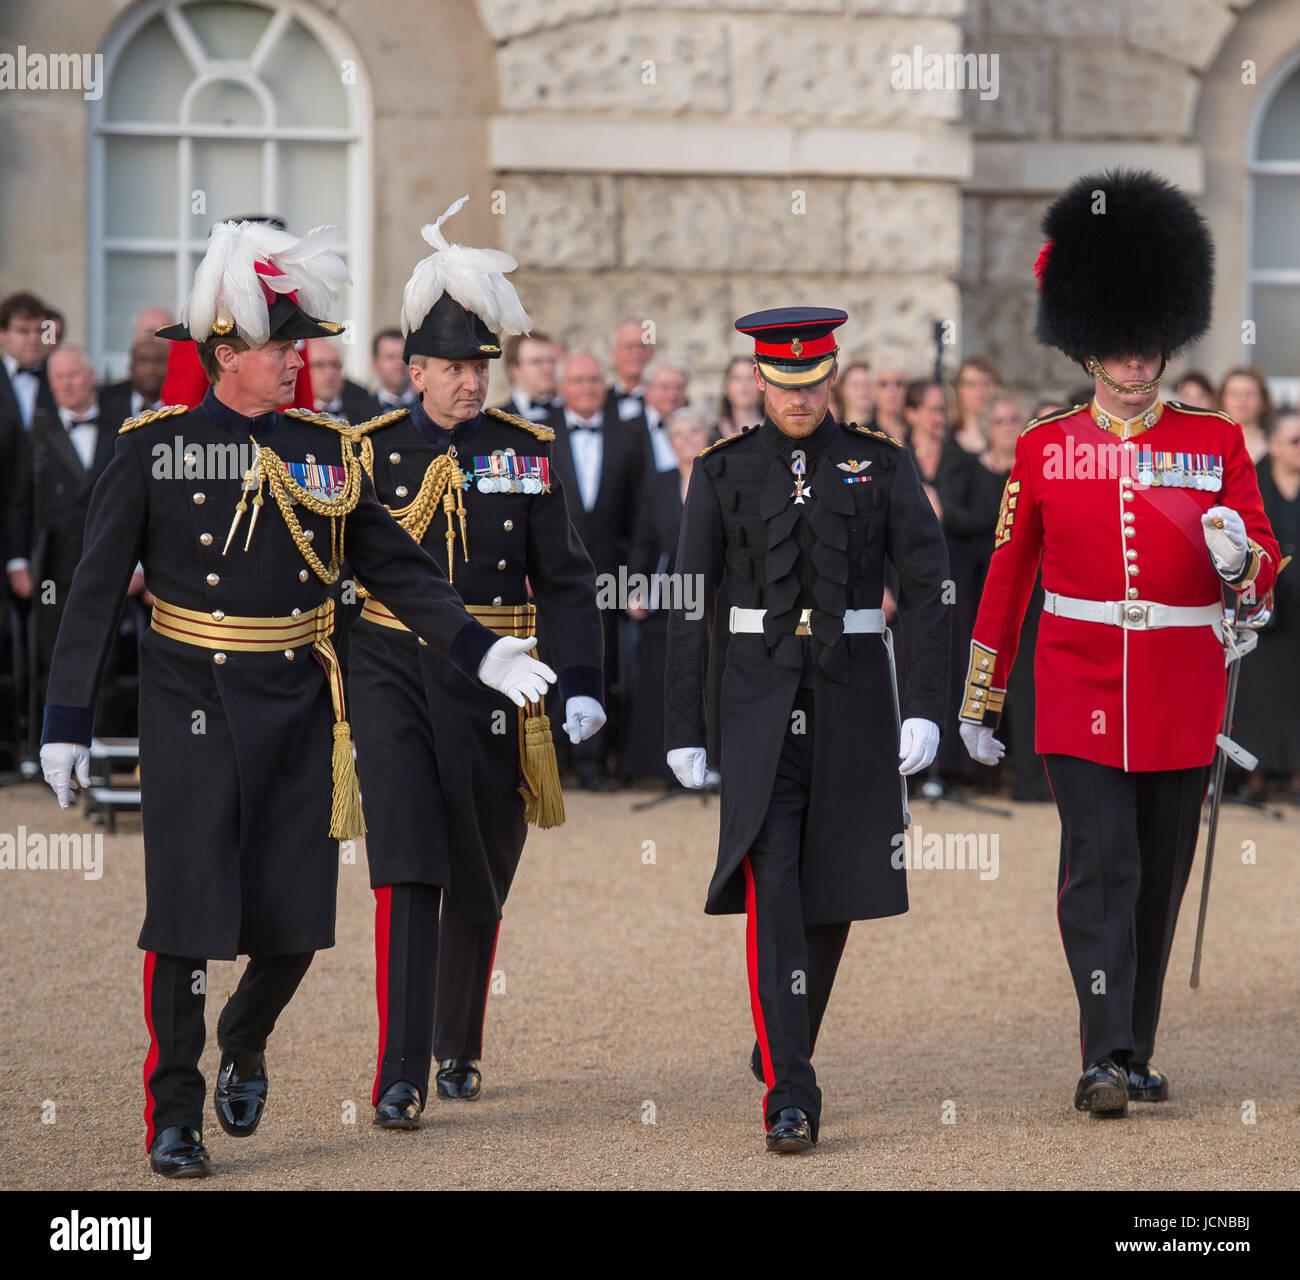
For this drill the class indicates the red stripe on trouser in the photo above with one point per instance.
(1083, 1026)
(751, 965)
(151, 1058)
(383, 915)
(487, 986)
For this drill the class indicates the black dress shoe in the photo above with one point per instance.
(459, 1078)
(399, 1107)
(1103, 1090)
(790, 1132)
(240, 1095)
(1146, 1084)
(178, 1152)
(756, 1064)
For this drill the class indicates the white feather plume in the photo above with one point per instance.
(228, 289)
(473, 277)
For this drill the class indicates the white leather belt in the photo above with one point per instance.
(1133, 615)
(857, 622)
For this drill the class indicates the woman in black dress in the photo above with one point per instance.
(653, 552)
(1268, 695)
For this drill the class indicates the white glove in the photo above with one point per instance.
(507, 668)
(59, 760)
(1227, 545)
(983, 747)
(688, 764)
(583, 716)
(918, 742)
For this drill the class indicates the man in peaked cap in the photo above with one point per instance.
(243, 796)
(451, 773)
(797, 519)
(1140, 512)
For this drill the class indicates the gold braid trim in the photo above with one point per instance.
(287, 491)
(442, 476)
(167, 411)
(533, 428)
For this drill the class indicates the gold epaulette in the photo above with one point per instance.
(534, 428)
(320, 419)
(373, 424)
(167, 411)
(1053, 417)
(879, 435)
(1205, 413)
(717, 444)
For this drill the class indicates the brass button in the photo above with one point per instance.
(984, 662)
(1128, 533)
(394, 458)
(205, 539)
(424, 642)
(1132, 569)
(509, 524)
(309, 534)
(1130, 553)
(496, 599)
(288, 653)
(401, 491)
(213, 579)
(1128, 495)
(219, 659)
(1132, 593)
(296, 613)
(200, 499)
(501, 564)
(302, 575)
(191, 459)
(1129, 445)
(978, 693)
(311, 457)
(218, 615)
(1125, 482)
(1129, 517)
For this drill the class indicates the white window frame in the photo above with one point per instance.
(1284, 388)
(356, 242)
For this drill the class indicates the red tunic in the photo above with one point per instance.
(1117, 517)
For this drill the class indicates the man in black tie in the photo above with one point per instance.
(630, 352)
(68, 453)
(141, 390)
(333, 393)
(530, 366)
(665, 392)
(600, 462)
(23, 349)
(393, 388)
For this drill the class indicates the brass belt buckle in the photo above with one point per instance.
(1139, 615)
(805, 623)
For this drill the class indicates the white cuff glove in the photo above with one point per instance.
(688, 766)
(918, 743)
(983, 747)
(583, 716)
(1228, 546)
(60, 760)
(507, 668)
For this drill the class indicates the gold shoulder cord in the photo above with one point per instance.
(268, 468)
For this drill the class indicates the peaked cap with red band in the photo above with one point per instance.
(262, 284)
(794, 346)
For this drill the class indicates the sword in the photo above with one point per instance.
(898, 717)
(1237, 632)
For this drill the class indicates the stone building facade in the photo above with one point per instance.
(677, 162)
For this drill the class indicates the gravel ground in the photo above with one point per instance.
(617, 1054)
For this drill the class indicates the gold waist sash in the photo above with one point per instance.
(543, 798)
(266, 635)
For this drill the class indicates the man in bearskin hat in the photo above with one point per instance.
(796, 519)
(1140, 512)
(451, 773)
(246, 765)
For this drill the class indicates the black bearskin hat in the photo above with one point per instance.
(1128, 267)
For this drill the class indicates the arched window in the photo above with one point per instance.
(1273, 231)
(214, 109)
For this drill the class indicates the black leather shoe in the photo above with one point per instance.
(459, 1078)
(756, 1065)
(240, 1095)
(1103, 1090)
(399, 1107)
(791, 1132)
(178, 1152)
(1146, 1084)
